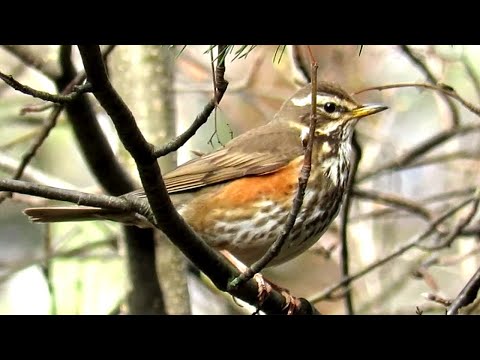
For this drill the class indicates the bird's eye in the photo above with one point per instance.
(330, 107)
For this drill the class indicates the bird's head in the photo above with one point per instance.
(337, 111)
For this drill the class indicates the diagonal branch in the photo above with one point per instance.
(467, 295)
(48, 125)
(395, 201)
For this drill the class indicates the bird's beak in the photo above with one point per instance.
(367, 109)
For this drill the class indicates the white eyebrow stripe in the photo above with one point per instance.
(321, 99)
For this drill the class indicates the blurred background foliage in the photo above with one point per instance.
(86, 273)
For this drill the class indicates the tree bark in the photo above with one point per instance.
(144, 76)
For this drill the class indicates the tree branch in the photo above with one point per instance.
(467, 295)
(56, 98)
(428, 73)
(419, 150)
(446, 90)
(48, 125)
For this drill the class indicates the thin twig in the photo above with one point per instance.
(407, 246)
(220, 87)
(73, 196)
(55, 98)
(395, 201)
(457, 155)
(48, 125)
(467, 295)
(31, 174)
(276, 247)
(456, 231)
(426, 70)
(437, 299)
(418, 151)
(441, 88)
(405, 204)
(76, 253)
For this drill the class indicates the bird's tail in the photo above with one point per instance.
(84, 213)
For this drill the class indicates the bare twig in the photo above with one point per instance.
(275, 248)
(428, 73)
(56, 98)
(457, 155)
(30, 173)
(419, 150)
(220, 87)
(437, 299)
(395, 201)
(76, 253)
(443, 89)
(467, 295)
(457, 230)
(76, 197)
(444, 196)
(48, 125)
(407, 246)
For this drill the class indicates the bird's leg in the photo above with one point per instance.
(264, 285)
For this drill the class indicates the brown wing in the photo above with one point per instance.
(258, 151)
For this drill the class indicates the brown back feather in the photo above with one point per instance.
(259, 151)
